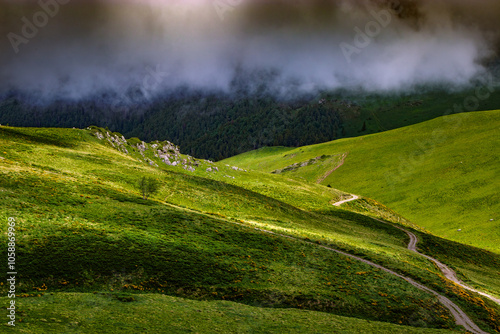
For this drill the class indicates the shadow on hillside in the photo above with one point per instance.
(130, 199)
(41, 138)
(361, 220)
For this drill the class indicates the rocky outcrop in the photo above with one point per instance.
(115, 140)
(166, 152)
(298, 165)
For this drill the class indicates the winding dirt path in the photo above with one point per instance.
(327, 174)
(447, 271)
(460, 316)
(353, 198)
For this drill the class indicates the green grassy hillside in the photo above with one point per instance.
(158, 313)
(84, 232)
(441, 174)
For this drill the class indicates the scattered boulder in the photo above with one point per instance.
(298, 165)
(151, 162)
(166, 151)
(142, 147)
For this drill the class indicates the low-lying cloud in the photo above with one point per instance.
(80, 49)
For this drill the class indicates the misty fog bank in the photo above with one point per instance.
(135, 51)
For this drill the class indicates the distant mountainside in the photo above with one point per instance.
(442, 174)
(217, 126)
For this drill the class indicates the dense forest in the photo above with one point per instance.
(217, 126)
(211, 127)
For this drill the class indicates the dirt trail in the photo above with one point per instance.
(447, 271)
(354, 197)
(461, 318)
(327, 174)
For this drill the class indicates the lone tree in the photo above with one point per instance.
(148, 186)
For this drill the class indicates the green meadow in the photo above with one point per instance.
(93, 256)
(158, 313)
(441, 174)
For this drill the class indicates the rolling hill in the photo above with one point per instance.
(218, 248)
(441, 174)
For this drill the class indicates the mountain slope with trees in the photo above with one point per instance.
(217, 126)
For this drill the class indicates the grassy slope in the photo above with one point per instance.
(84, 228)
(382, 113)
(148, 313)
(441, 174)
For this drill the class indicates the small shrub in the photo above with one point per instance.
(148, 186)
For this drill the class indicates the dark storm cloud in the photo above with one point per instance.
(84, 48)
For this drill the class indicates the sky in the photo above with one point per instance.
(75, 49)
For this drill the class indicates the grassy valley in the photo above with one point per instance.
(441, 174)
(91, 251)
(250, 167)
